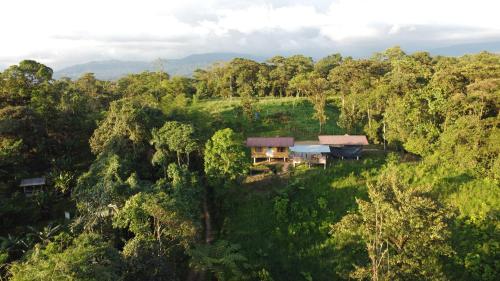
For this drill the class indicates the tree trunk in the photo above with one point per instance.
(385, 147)
(195, 275)
(369, 117)
(209, 237)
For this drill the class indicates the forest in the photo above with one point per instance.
(148, 178)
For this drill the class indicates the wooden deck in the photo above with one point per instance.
(269, 153)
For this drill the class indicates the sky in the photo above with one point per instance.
(60, 33)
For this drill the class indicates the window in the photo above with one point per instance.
(281, 149)
(258, 149)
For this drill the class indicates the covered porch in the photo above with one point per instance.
(270, 148)
(310, 154)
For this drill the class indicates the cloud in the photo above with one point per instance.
(61, 32)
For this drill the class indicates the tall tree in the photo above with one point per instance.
(352, 82)
(278, 75)
(127, 126)
(317, 90)
(173, 136)
(326, 64)
(299, 84)
(403, 228)
(20, 82)
(416, 119)
(225, 157)
(87, 257)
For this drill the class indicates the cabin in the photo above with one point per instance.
(32, 186)
(344, 146)
(270, 147)
(310, 154)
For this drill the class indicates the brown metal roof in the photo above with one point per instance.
(271, 142)
(343, 140)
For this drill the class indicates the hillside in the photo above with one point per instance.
(114, 69)
(159, 183)
(283, 225)
(274, 117)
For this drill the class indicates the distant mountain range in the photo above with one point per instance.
(114, 69)
(470, 48)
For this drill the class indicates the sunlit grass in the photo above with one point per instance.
(272, 117)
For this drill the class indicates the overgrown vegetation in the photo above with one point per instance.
(154, 175)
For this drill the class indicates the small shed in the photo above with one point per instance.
(270, 147)
(32, 185)
(346, 152)
(344, 146)
(310, 154)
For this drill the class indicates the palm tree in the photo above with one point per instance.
(44, 235)
(15, 245)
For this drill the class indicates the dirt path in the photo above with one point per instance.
(284, 171)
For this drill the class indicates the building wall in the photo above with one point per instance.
(275, 153)
(313, 158)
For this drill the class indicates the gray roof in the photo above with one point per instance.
(32, 182)
(317, 148)
(271, 142)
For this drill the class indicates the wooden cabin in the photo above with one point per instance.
(32, 186)
(345, 146)
(270, 147)
(310, 154)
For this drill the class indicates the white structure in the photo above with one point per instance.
(309, 154)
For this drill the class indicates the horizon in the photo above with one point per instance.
(246, 55)
(143, 32)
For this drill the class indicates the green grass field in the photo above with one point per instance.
(276, 117)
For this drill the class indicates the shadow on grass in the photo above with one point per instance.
(450, 184)
(286, 229)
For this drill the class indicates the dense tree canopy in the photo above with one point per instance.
(225, 158)
(147, 177)
(87, 257)
(404, 230)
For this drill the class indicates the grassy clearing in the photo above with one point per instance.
(284, 228)
(276, 117)
(282, 223)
